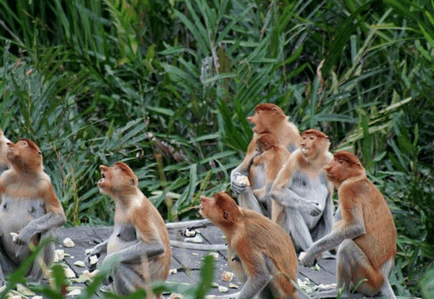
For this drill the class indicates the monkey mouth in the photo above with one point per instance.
(304, 150)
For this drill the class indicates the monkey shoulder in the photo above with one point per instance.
(288, 169)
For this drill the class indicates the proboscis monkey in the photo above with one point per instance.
(365, 233)
(268, 118)
(261, 250)
(29, 207)
(140, 241)
(271, 157)
(303, 193)
(4, 162)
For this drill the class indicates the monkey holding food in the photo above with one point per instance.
(267, 119)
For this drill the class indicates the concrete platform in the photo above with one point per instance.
(187, 262)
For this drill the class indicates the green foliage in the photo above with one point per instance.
(88, 80)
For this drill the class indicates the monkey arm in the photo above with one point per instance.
(243, 168)
(288, 198)
(342, 231)
(99, 249)
(39, 226)
(136, 252)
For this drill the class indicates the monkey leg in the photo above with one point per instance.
(6, 266)
(126, 280)
(44, 259)
(386, 289)
(297, 228)
(353, 266)
(236, 266)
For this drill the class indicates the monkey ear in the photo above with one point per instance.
(225, 215)
(275, 111)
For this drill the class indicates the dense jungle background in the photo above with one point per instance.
(166, 87)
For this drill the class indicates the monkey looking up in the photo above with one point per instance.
(302, 192)
(258, 248)
(140, 241)
(268, 118)
(28, 207)
(4, 162)
(365, 233)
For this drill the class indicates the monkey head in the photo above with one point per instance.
(24, 154)
(266, 118)
(314, 143)
(344, 166)
(117, 179)
(221, 209)
(265, 142)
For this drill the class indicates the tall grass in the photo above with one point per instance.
(87, 80)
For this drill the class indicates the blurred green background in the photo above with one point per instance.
(166, 87)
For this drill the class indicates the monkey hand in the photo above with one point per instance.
(237, 184)
(24, 236)
(89, 260)
(310, 259)
(314, 208)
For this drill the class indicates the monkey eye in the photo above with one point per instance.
(225, 215)
(103, 175)
(40, 152)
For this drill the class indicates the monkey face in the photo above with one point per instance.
(342, 168)
(119, 177)
(207, 208)
(220, 209)
(308, 144)
(24, 154)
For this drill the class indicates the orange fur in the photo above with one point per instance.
(253, 238)
(26, 178)
(4, 162)
(360, 200)
(269, 119)
(133, 207)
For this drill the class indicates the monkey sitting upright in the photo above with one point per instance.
(365, 231)
(28, 207)
(4, 162)
(139, 244)
(269, 160)
(258, 248)
(303, 192)
(268, 118)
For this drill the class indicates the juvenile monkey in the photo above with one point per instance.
(140, 241)
(365, 233)
(4, 162)
(268, 118)
(28, 207)
(263, 252)
(271, 157)
(302, 194)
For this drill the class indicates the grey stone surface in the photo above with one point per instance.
(186, 262)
